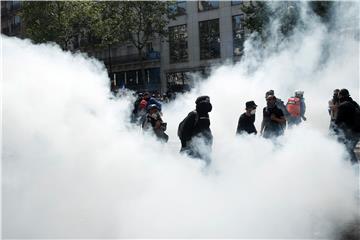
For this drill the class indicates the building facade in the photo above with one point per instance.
(11, 24)
(203, 34)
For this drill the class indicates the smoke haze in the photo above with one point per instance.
(74, 167)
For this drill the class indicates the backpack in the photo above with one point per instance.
(293, 106)
(356, 127)
(180, 131)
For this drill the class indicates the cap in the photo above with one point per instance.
(344, 92)
(250, 104)
(270, 92)
(153, 106)
(202, 99)
(299, 93)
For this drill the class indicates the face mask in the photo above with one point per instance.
(253, 112)
(154, 115)
(204, 107)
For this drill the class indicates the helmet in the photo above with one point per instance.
(299, 93)
(153, 106)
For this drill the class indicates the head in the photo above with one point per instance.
(250, 107)
(146, 96)
(153, 109)
(268, 93)
(299, 94)
(270, 101)
(343, 95)
(142, 104)
(335, 95)
(203, 104)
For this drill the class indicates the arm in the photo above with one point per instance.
(189, 125)
(238, 130)
(280, 119)
(262, 126)
(303, 110)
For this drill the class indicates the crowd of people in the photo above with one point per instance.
(195, 134)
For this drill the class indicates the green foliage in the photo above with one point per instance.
(143, 20)
(257, 17)
(58, 21)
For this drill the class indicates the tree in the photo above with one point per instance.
(257, 17)
(143, 20)
(58, 21)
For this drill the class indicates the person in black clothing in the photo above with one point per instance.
(194, 131)
(273, 119)
(247, 119)
(347, 122)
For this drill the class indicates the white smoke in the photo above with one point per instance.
(73, 166)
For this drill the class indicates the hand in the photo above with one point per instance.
(273, 117)
(304, 118)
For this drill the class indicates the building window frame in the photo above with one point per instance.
(238, 31)
(178, 43)
(236, 2)
(209, 39)
(208, 5)
(178, 8)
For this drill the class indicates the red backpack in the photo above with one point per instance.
(293, 106)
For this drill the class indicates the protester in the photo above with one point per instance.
(279, 103)
(194, 131)
(347, 122)
(333, 105)
(296, 108)
(151, 100)
(247, 119)
(134, 113)
(154, 122)
(273, 119)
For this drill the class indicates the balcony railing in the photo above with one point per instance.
(132, 58)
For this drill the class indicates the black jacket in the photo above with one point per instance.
(346, 115)
(246, 124)
(196, 124)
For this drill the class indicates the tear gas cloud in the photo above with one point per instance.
(73, 166)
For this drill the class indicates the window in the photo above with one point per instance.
(178, 81)
(16, 5)
(133, 78)
(178, 47)
(207, 5)
(149, 47)
(15, 26)
(238, 34)
(209, 39)
(178, 8)
(236, 2)
(153, 75)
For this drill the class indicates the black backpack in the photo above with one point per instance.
(356, 127)
(180, 132)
